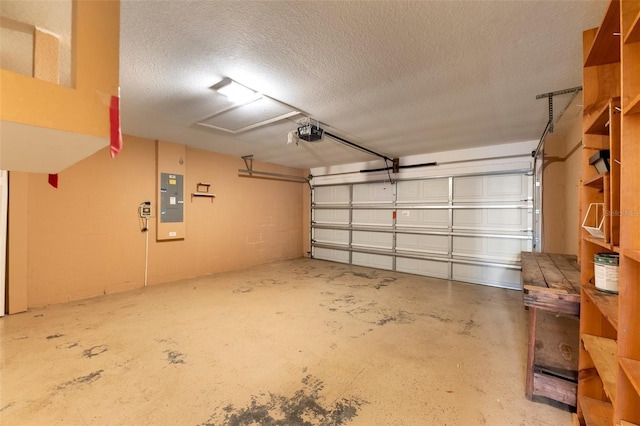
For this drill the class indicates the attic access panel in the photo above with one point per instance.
(258, 113)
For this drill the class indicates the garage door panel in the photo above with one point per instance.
(331, 194)
(507, 220)
(423, 191)
(373, 217)
(504, 188)
(470, 217)
(331, 236)
(372, 260)
(423, 218)
(341, 256)
(488, 275)
(489, 248)
(513, 218)
(509, 186)
(340, 217)
(430, 268)
(373, 239)
(373, 193)
(436, 244)
(468, 188)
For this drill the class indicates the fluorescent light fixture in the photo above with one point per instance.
(236, 92)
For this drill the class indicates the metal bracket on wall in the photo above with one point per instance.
(550, 95)
(248, 161)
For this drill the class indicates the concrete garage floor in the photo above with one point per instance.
(296, 342)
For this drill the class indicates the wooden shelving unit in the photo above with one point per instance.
(596, 182)
(634, 106)
(633, 35)
(599, 122)
(604, 49)
(609, 358)
(631, 368)
(632, 254)
(600, 242)
(607, 303)
(596, 412)
(604, 353)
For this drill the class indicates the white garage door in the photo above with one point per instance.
(466, 228)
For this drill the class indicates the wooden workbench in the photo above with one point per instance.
(551, 292)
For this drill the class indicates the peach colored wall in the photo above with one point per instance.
(560, 183)
(84, 238)
(17, 225)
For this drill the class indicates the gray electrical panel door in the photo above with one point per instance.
(171, 198)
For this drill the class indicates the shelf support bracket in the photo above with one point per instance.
(248, 162)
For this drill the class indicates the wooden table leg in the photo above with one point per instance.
(533, 318)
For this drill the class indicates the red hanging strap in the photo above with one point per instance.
(116, 132)
(53, 180)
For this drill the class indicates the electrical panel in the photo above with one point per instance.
(171, 198)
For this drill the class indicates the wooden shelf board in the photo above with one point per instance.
(599, 121)
(625, 423)
(633, 35)
(633, 107)
(601, 243)
(607, 303)
(595, 182)
(203, 194)
(632, 254)
(631, 367)
(606, 46)
(604, 353)
(596, 412)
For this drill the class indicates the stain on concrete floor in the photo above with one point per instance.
(175, 357)
(82, 380)
(306, 407)
(54, 336)
(93, 351)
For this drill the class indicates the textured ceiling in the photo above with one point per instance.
(400, 78)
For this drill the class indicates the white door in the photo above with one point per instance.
(466, 228)
(4, 192)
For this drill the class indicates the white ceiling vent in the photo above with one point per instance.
(238, 118)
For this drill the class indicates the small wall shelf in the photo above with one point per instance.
(202, 190)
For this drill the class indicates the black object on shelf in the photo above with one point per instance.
(600, 160)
